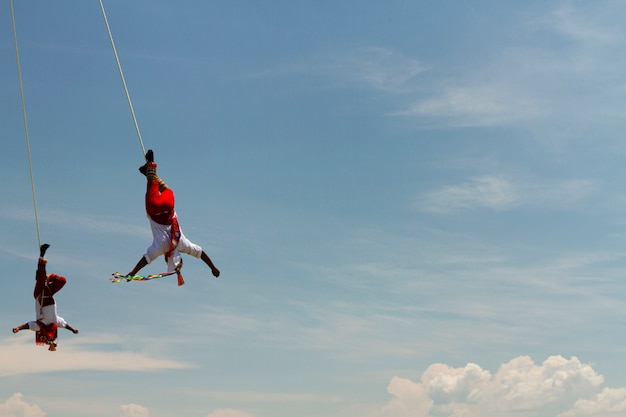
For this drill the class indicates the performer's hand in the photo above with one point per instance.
(216, 272)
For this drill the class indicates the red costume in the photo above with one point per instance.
(168, 238)
(45, 288)
(159, 201)
(48, 322)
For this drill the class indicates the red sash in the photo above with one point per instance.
(174, 237)
(47, 333)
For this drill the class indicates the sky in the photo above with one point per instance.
(418, 208)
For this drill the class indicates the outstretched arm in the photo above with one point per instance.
(209, 262)
(142, 262)
(20, 327)
(70, 328)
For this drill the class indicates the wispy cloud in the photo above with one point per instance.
(537, 84)
(27, 358)
(85, 223)
(595, 27)
(483, 192)
(229, 412)
(488, 104)
(378, 67)
(373, 67)
(499, 193)
(268, 397)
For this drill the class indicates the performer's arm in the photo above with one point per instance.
(209, 262)
(142, 262)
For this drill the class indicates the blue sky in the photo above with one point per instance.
(417, 208)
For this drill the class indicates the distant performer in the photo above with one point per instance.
(47, 323)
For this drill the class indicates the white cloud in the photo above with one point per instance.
(498, 193)
(15, 406)
(490, 104)
(268, 397)
(580, 25)
(610, 402)
(375, 67)
(71, 355)
(482, 192)
(575, 80)
(134, 410)
(83, 222)
(558, 386)
(380, 68)
(229, 413)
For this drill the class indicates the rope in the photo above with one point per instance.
(30, 164)
(119, 66)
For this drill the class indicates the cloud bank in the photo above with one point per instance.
(229, 413)
(15, 406)
(134, 410)
(558, 387)
(26, 358)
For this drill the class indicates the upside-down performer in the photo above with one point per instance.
(47, 323)
(168, 237)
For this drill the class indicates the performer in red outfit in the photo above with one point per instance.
(47, 323)
(168, 237)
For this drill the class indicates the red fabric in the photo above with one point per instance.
(159, 205)
(46, 334)
(174, 237)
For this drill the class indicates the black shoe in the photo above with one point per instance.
(150, 156)
(42, 249)
(142, 169)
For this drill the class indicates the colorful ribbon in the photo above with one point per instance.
(116, 277)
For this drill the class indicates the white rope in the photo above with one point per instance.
(30, 164)
(119, 66)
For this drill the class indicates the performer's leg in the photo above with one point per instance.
(159, 197)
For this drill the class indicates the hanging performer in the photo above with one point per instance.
(168, 237)
(47, 323)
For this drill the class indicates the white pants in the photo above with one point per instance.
(161, 237)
